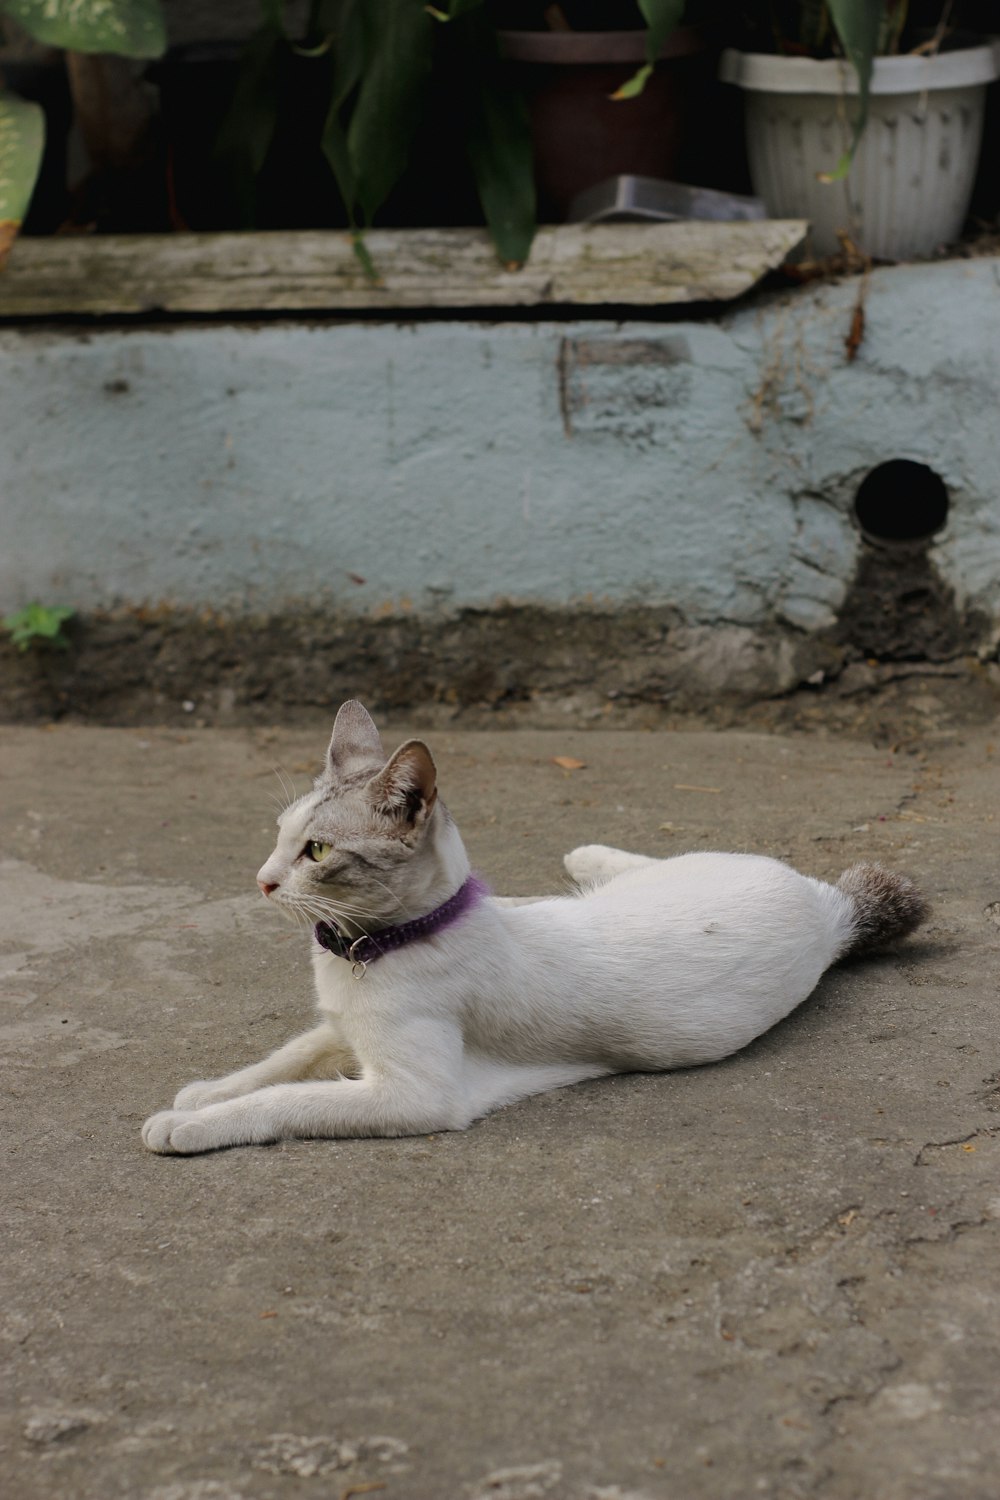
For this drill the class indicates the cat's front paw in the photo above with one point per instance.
(175, 1132)
(204, 1091)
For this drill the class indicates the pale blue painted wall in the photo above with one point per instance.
(708, 465)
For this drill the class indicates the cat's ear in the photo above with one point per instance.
(407, 787)
(354, 738)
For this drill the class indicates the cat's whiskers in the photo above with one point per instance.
(290, 908)
(287, 787)
(349, 908)
(343, 918)
(325, 909)
(388, 892)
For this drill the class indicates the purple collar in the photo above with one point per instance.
(365, 950)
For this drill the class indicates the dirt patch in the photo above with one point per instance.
(138, 665)
(900, 609)
(523, 667)
(886, 703)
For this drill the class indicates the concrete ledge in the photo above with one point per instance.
(345, 476)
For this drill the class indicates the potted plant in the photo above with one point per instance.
(862, 123)
(608, 88)
(341, 113)
(420, 109)
(109, 108)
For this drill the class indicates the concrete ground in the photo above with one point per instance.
(778, 1276)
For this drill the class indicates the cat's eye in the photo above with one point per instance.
(317, 851)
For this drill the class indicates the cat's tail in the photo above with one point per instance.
(886, 907)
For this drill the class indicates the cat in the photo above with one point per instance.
(439, 1003)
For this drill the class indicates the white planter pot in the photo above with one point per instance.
(909, 186)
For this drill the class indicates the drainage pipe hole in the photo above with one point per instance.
(901, 501)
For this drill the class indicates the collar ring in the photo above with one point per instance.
(358, 966)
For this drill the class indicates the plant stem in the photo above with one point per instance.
(942, 28)
(893, 27)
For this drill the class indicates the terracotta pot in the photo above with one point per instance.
(581, 136)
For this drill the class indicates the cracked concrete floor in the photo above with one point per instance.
(773, 1277)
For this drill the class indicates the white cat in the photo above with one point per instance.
(439, 1003)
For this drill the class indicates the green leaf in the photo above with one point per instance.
(500, 152)
(857, 24)
(454, 9)
(348, 65)
(320, 49)
(247, 130)
(130, 28)
(633, 87)
(398, 44)
(38, 622)
(363, 256)
(22, 141)
(333, 143)
(492, 119)
(661, 17)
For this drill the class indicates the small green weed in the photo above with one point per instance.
(37, 624)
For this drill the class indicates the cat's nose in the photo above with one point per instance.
(266, 886)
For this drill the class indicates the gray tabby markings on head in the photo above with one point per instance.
(405, 783)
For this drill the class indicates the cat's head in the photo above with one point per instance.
(359, 848)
